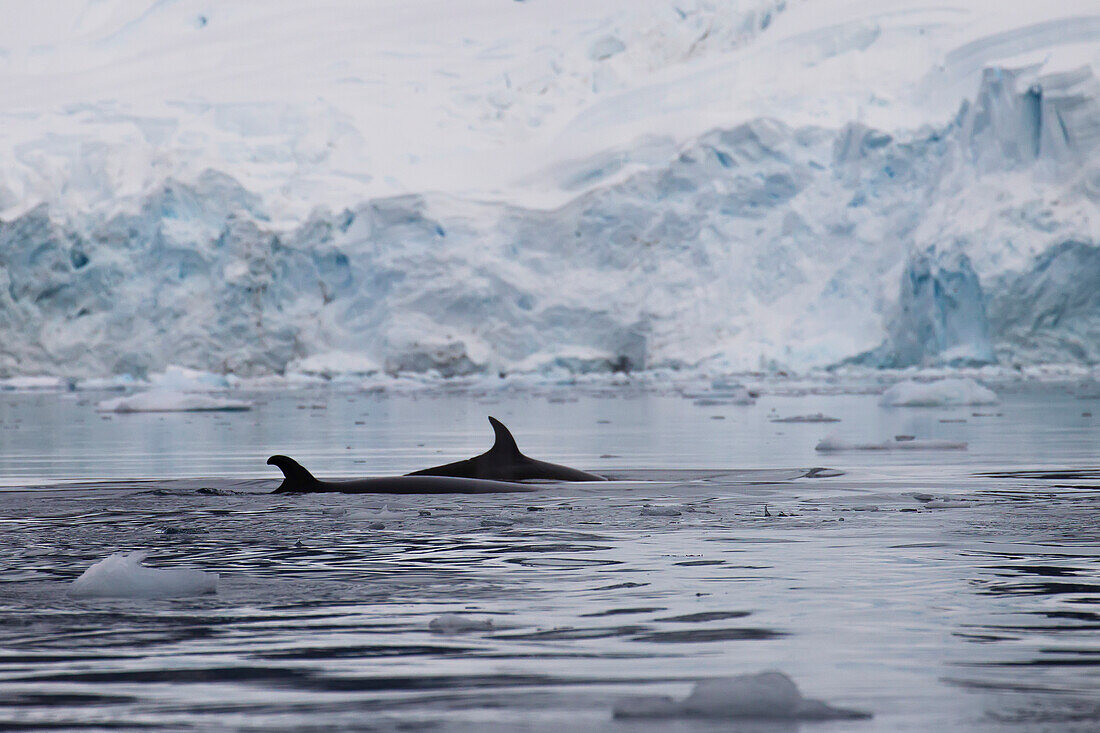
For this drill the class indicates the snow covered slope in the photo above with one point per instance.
(609, 184)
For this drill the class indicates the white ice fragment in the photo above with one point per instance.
(106, 384)
(123, 576)
(949, 504)
(33, 384)
(453, 623)
(379, 514)
(722, 392)
(940, 393)
(762, 696)
(832, 444)
(171, 401)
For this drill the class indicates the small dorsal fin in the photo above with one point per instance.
(505, 444)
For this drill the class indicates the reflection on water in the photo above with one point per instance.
(981, 615)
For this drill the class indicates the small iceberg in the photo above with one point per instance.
(763, 696)
(940, 393)
(34, 384)
(123, 576)
(828, 445)
(453, 623)
(172, 401)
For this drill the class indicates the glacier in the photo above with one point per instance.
(607, 205)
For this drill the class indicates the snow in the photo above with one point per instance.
(939, 393)
(171, 401)
(833, 444)
(762, 696)
(404, 187)
(123, 576)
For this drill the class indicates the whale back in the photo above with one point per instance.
(505, 462)
(295, 477)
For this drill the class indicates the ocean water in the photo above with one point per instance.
(937, 590)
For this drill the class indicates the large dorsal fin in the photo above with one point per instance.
(293, 473)
(505, 444)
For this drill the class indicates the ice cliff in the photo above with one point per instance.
(776, 239)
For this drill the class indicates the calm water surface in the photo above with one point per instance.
(978, 617)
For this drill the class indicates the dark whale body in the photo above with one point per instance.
(504, 462)
(298, 480)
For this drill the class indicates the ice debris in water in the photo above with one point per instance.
(722, 392)
(453, 623)
(816, 417)
(123, 576)
(940, 393)
(832, 444)
(171, 401)
(33, 384)
(762, 696)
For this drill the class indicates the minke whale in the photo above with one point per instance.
(297, 480)
(504, 462)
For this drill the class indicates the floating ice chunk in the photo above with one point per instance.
(722, 392)
(123, 576)
(941, 393)
(33, 384)
(949, 504)
(380, 514)
(763, 696)
(171, 401)
(453, 623)
(114, 384)
(831, 444)
(816, 417)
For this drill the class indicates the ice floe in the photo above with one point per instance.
(833, 444)
(454, 623)
(123, 576)
(171, 401)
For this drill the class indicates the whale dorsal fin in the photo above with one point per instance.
(505, 445)
(295, 477)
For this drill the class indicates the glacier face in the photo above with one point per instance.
(766, 243)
